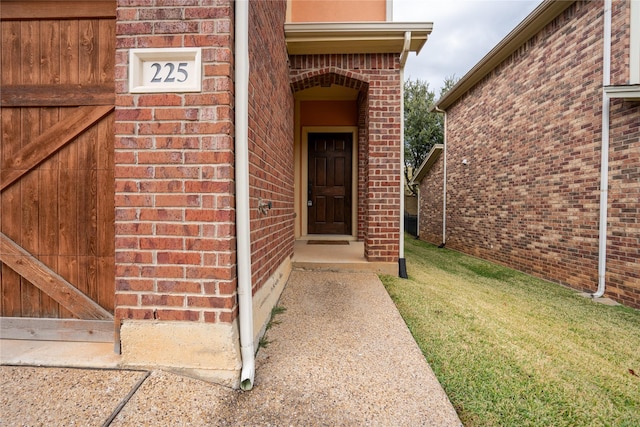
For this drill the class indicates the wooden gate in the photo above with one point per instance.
(56, 169)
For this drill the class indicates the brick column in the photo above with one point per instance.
(175, 218)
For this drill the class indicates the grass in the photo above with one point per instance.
(513, 350)
(264, 342)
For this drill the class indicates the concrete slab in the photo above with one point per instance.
(31, 396)
(601, 300)
(58, 354)
(346, 258)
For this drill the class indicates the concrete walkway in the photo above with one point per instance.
(340, 355)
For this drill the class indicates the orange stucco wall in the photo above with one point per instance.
(338, 10)
(328, 113)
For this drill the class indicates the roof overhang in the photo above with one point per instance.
(626, 92)
(428, 163)
(354, 37)
(546, 12)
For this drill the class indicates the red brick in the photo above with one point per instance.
(175, 287)
(182, 315)
(161, 300)
(161, 243)
(182, 258)
(177, 200)
(133, 313)
(211, 302)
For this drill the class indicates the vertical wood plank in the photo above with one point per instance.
(106, 181)
(87, 162)
(106, 51)
(48, 219)
(106, 215)
(88, 51)
(68, 158)
(11, 142)
(29, 185)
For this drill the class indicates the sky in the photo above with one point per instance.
(464, 31)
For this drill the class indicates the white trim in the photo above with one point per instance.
(634, 43)
(302, 181)
(389, 10)
(354, 37)
(427, 163)
(628, 92)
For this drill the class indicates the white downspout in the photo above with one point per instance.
(402, 263)
(418, 216)
(444, 183)
(604, 160)
(444, 178)
(243, 226)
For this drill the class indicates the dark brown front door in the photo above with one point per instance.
(329, 199)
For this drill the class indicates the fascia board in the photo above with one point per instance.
(427, 163)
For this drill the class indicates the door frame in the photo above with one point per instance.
(302, 181)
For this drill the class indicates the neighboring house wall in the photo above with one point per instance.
(377, 77)
(430, 204)
(531, 131)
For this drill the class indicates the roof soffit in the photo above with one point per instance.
(354, 37)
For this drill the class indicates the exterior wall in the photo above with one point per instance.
(270, 141)
(531, 131)
(377, 76)
(338, 10)
(174, 173)
(430, 204)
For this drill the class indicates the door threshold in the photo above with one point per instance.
(342, 237)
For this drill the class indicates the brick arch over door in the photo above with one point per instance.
(328, 76)
(377, 78)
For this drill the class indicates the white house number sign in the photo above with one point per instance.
(165, 70)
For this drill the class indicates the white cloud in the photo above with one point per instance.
(463, 32)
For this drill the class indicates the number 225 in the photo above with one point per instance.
(171, 73)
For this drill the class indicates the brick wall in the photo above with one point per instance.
(531, 131)
(175, 219)
(270, 140)
(623, 239)
(377, 76)
(430, 204)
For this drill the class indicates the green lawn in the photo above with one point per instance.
(513, 350)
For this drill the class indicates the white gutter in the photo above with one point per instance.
(402, 263)
(604, 159)
(245, 301)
